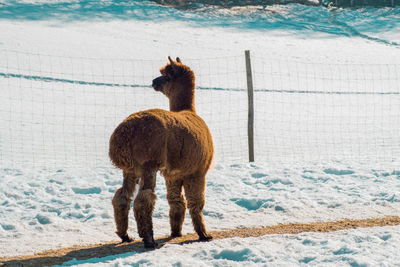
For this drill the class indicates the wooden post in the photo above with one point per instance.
(250, 97)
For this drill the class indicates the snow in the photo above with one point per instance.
(64, 207)
(342, 248)
(57, 197)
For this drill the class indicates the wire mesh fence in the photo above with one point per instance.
(319, 111)
(57, 111)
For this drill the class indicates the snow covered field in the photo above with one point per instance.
(68, 200)
(343, 248)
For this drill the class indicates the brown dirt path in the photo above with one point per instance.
(59, 256)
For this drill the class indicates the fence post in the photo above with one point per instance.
(250, 97)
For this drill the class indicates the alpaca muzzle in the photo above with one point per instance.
(159, 82)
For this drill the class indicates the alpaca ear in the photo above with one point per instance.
(171, 61)
(175, 68)
(178, 60)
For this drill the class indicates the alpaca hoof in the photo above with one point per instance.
(205, 238)
(150, 244)
(173, 235)
(126, 239)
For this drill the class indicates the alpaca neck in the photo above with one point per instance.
(182, 102)
(184, 98)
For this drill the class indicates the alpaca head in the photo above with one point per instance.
(177, 82)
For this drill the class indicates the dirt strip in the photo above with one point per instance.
(59, 256)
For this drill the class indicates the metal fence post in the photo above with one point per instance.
(250, 97)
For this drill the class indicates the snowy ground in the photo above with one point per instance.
(66, 207)
(56, 205)
(343, 248)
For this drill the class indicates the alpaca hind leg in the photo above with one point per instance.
(121, 202)
(194, 192)
(177, 204)
(144, 206)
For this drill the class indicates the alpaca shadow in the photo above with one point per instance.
(99, 253)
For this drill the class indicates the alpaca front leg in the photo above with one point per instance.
(177, 204)
(143, 209)
(194, 192)
(121, 202)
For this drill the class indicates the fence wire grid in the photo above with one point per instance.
(60, 111)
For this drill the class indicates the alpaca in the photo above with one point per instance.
(177, 143)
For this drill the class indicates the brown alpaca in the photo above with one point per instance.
(177, 143)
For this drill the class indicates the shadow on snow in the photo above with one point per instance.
(97, 253)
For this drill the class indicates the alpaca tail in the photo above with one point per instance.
(120, 150)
